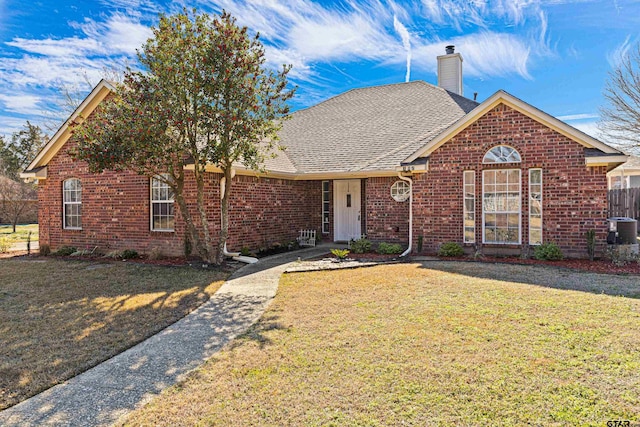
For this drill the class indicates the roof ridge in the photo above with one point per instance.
(357, 89)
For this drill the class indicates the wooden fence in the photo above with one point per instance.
(625, 202)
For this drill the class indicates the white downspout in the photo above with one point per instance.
(410, 181)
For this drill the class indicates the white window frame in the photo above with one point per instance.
(168, 201)
(511, 151)
(68, 203)
(465, 197)
(400, 191)
(541, 205)
(325, 206)
(507, 212)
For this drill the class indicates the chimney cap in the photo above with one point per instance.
(450, 49)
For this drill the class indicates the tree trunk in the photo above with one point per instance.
(191, 228)
(208, 247)
(224, 232)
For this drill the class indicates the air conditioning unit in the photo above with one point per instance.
(622, 231)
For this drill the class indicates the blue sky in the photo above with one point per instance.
(554, 54)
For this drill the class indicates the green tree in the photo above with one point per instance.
(620, 118)
(204, 97)
(16, 155)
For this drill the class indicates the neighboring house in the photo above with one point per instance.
(627, 175)
(398, 163)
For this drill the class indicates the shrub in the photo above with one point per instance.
(360, 246)
(420, 242)
(450, 249)
(245, 251)
(389, 248)
(548, 251)
(129, 254)
(155, 254)
(66, 251)
(45, 250)
(340, 253)
(113, 254)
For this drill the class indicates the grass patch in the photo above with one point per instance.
(409, 345)
(21, 234)
(59, 318)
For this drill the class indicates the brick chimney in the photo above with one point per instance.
(450, 71)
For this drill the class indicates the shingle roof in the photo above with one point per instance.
(373, 128)
(632, 163)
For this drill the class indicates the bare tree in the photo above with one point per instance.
(17, 200)
(71, 95)
(620, 118)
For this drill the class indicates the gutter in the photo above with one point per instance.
(410, 181)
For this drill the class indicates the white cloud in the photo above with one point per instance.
(582, 116)
(590, 128)
(10, 125)
(615, 57)
(406, 42)
(68, 47)
(24, 104)
(120, 34)
(485, 54)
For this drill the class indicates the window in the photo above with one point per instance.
(325, 207)
(502, 154)
(72, 201)
(616, 183)
(469, 196)
(535, 206)
(501, 206)
(162, 216)
(400, 191)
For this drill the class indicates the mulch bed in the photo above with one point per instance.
(603, 266)
(163, 262)
(597, 266)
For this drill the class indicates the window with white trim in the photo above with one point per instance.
(469, 206)
(535, 206)
(162, 213)
(72, 204)
(400, 191)
(501, 154)
(501, 206)
(325, 207)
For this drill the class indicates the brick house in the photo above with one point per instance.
(408, 163)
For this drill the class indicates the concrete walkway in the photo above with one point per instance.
(108, 391)
(22, 246)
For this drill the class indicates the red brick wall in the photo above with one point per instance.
(266, 211)
(386, 219)
(115, 210)
(574, 196)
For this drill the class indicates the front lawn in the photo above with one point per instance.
(59, 318)
(446, 343)
(21, 234)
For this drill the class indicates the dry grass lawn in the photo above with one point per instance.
(59, 318)
(449, 343)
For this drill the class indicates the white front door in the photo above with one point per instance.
(346, 211)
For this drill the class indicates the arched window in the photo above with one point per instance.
(400, 191)
(72, 204)
(502, 154)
